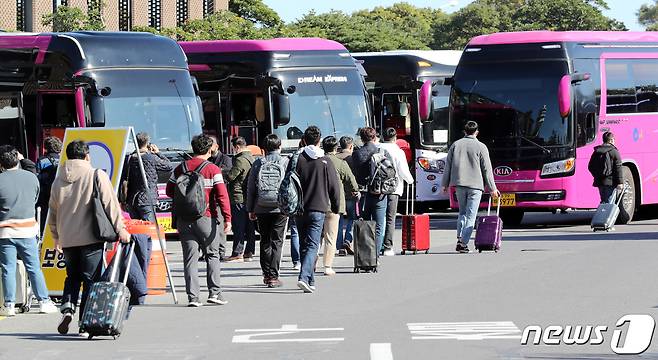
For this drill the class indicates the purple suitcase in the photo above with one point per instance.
(489, 234)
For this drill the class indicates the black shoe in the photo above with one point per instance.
(63, 327)
(461, 248)
(274, 283)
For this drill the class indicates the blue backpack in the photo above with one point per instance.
(291, 195)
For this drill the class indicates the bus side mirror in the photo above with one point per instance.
(564, 96)
(425, 101)
(280, 109)
(97, 111)
(199, 104)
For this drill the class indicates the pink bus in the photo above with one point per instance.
(543, 99)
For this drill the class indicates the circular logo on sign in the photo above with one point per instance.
(101, 157)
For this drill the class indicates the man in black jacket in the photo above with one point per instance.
(319, 179)
(141, 199)
(605, 166)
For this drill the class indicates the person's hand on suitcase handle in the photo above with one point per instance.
(495, 194)
(124, 236)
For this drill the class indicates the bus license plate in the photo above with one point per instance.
(165, 222)
(506, 200)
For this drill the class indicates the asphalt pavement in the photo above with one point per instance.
(552, 270)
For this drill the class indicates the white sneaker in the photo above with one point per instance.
(8, 310)
(297, 266)
(195, 304)
(47, 307)
(389, 252)
(304, 286)
(329, 271)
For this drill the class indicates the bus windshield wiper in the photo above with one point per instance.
(183, 153)
(542, 148)
(331, 113)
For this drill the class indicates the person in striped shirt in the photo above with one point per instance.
(204, 232)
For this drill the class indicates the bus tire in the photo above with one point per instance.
(511, 217)
(629, 202)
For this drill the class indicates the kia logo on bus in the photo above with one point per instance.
(503, 171)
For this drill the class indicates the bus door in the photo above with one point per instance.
(396, 113)
(213, 110)
(56, 111)
(246, 116)
(12, 122)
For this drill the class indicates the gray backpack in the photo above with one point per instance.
(269, 180)
(189, 194)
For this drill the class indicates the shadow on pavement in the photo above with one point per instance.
(46, 337)
(612, 236)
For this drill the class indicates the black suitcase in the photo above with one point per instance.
(365, 246)
(108, 302)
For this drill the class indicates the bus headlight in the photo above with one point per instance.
(432, 165)
(558, 167)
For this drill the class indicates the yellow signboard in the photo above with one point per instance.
(107, 150)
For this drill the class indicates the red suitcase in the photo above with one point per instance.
(415, 228)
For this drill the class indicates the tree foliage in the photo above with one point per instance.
(648, 16)
(73, 19)
(255, 11)
(489, 16)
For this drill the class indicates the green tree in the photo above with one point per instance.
(400, 26)
(72, 19)
(648, 16)
(489, 16)
(255, 11)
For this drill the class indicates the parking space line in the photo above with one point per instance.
(381, 351)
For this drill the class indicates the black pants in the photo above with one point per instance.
(272, 233)
(83, 267)
(391, 211)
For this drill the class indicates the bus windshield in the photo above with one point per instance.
(159, 102)
(514, 103)
(333, 100)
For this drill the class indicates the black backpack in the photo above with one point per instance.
(189, 200)
(600, 164)
(46, 179)
(383, 177)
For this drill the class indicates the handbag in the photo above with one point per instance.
(123, 187)
(103, 227)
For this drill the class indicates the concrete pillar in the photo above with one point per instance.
(169, 14)
(111, 15)
(140, 12)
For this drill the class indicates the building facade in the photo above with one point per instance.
(118, 15)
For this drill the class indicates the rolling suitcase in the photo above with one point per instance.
(108, 302)
(606, 215)
(415, 227)
(489, 234)
(23, 299)
(365, 245)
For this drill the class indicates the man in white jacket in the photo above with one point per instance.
(404, 176)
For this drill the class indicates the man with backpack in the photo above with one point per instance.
(47, 169)
(605, 167)
(198, 191)
(262, 204)
(244, 232)
(404, 175)
(377, 178)
(468, 168)
(318, 178)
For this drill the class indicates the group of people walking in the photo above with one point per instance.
(214, 195)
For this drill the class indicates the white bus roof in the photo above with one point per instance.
(444, 57)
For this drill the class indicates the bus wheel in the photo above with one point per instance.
(628, 203)
(511, 217)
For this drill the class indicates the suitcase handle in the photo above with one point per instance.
(411, 198)
(621, 196)
(116, 262)
(489, 206)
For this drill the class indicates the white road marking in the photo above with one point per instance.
(247, 335)
(381, 351)
(464, 331)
